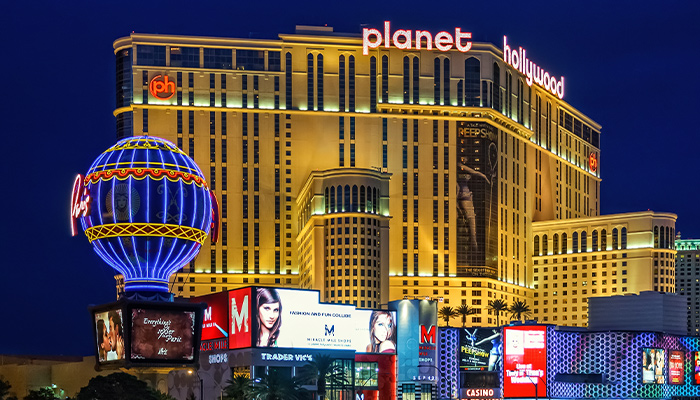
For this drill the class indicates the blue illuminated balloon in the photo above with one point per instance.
(150, 210)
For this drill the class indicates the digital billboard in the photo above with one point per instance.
(696, 368)
(653, 365)
(676, 375)
(215, 321)
(290, 318)
(109, 331)
(480, 349)
(477, 199)
(239, 308)
(163, 335)
(525, 366)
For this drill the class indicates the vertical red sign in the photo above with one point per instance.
(240, 328)
(676, 360)
(525, 366)
(215, 321)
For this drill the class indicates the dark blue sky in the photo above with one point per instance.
(630, 65)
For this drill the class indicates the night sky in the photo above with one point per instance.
(629, 65)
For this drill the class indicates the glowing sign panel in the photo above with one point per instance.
(675, 367)
(518, 60)
(404, 39)
(525, 366)
(79, 203)
(161, 87)
(593, 162)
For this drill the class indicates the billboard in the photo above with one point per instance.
(696, 368)
(215, 321)
(676, 374)
(289, 318)
(109, 332)
(163, 335)
(525, 361)
(239, 310)
(480, 349)
(477, 199)
(653, 365)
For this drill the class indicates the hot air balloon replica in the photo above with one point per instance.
(146, 208)
(149, 212)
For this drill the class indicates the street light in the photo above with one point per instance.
(201, 384)
(539, 378)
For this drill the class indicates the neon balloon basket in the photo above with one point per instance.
(146, 208)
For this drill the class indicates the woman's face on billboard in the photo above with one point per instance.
(269, 313)
(383, 327)
(106, 343)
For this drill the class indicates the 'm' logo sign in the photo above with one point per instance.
(330, 331)
(161, 87)
(427, 335)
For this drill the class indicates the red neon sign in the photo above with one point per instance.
(79, 204)
(593, 162)
(427, 335)
(162, 89)
(525, 366)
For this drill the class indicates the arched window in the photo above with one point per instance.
(406, 79)
(564, 244)
(496, 92)
(662, 238)
(472, 77)
(385, 79)
(333, 209)
(326, 200)
(446, 82)
(353, 206)
(668, 237)
(574, 236)
(556, 243)
(363, 199)
(436, 81)
(545, 245)
(346, 198)
(584, 244)
(615, 241)
(603, 240)
(536, 241)
(623, 239)
(594, 241)
(656, 237)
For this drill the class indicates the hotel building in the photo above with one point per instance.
(688, 279)
(617, 254)
(403, 173)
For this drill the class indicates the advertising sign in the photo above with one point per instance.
(653, 365)
(239, 307)
(215, 323)
(427, 339)
(295, 319)
(375, 331)
(525, 366)
(480, 349)
(696, 368)
(477, 199)
(109, 328)
(675, 367)
(167, 335)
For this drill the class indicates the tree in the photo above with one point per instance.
(519, 309)
(277, 386)
(118, 386)
(237, 387)
(465, 310)
(41, 394)
(498, 306)
(447, 313)
(4, 388)
(323, 369)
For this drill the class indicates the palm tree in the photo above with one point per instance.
(276, 385)
(519, 310)
(465, 310)
(323, 369)
(237, 387)
(498, 306)
(447, 313)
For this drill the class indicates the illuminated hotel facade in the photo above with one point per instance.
(402, 173)
(688, 279)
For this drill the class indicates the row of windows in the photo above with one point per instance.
(345, 199)
(580, 242)
(189, 57)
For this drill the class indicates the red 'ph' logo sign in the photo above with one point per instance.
(593, 162)
(162, 89)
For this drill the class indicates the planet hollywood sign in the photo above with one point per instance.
(518, 60)
(405, 39)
